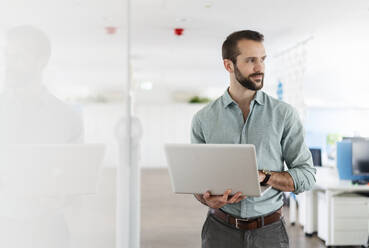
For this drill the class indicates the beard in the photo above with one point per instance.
(247, 81)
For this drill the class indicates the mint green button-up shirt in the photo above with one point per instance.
(276, 131)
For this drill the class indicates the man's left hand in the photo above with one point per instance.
(261, 176)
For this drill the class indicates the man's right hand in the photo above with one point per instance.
(218, 201)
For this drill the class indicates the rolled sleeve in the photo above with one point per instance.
(296, 154)
(304, 179)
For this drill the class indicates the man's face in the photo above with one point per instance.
(249, 67)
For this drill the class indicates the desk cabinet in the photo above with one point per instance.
(348, 222)
(322, 216)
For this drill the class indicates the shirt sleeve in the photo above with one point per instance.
(296, 154)
(197, 135)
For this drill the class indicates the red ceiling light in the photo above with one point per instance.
(111, 30)
(178, 31)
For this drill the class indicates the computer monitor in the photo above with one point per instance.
(355, 138)
(316, 153)
(360, 157)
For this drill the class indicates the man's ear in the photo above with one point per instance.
(228, 65)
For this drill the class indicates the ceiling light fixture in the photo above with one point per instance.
(110, 30)
(178, 31)
(146, 85)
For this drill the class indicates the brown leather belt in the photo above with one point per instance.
(247, 224)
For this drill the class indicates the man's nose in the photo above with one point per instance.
(259, 66)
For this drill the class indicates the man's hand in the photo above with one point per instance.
(219, 201)
(261, 176)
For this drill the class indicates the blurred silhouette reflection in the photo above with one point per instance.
(30, 114)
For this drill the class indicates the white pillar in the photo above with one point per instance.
(127, 174)
(129, 189)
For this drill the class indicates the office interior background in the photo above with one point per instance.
(159, 61)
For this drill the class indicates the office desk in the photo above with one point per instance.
(333, 209)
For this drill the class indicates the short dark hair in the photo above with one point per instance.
(230, 50)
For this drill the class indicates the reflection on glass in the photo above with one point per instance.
(48, 178)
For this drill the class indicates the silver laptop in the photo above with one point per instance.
(196, 168)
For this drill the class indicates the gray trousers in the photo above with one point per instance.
(218, 234)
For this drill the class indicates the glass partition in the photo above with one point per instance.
(63, 124)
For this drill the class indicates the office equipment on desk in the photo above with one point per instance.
(336, 209)
(316, 153)
(355, 138)
(349, 152)
(360, 158)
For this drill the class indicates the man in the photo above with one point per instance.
(246, 115)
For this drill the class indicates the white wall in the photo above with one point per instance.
(99, 122)
(337, 66)
(169, 123)
(162, 124)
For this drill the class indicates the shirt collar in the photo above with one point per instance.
(259, 97)
(227, 99)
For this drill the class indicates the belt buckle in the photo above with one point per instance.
(237, 219)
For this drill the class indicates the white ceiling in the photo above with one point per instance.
(85, 56)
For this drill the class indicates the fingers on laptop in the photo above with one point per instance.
(237, 198)
(227, 197)
(226, 194)
(240, 198)
(207, 195)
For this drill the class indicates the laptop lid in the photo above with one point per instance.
(196, 168)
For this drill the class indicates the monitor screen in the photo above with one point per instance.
(316, 154)
(360, 157)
